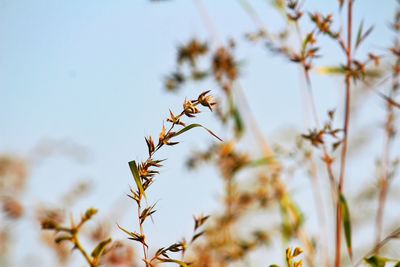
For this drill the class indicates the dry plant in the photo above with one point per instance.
(326, 138)
(259, 206)
(144, 172)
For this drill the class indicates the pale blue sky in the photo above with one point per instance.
(91, 72)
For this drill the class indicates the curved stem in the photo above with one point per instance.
(383, 242)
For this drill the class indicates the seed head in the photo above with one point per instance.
(206, 100)
(189, 108)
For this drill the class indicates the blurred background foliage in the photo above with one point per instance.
(81, 84)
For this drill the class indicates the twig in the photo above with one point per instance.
(383, 242)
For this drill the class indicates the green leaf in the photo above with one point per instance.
(135, 173)
(331, 70)
(373, 73)
(261, 162)
(199, 75)
(361, 35)
(133, 235)
(306, 41)
(194, 125)
(99, 249)
(376, 261)
(237, 118)
(292, 217)
(346, 223)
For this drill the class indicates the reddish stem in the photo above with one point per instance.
(339, 214)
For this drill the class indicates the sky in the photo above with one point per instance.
(90, 74)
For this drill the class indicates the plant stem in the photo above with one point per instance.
(384, 178)
(345, 131)
(167, 136)
(383, 242)
(207, 21)
(313, 168)
(276, 168)
(139, 210)
(382, 192)
(79, 246)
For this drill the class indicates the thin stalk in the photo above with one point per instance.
(311, 100)
(384, 179)
(275, 167)
(78, 245)
(139, 209)
(253, 15)
(318, 198)
(345, 132)
(207, 20)
(313, 168)
(141, 230)
(164, 139)
(382, 192)
(394, 234)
